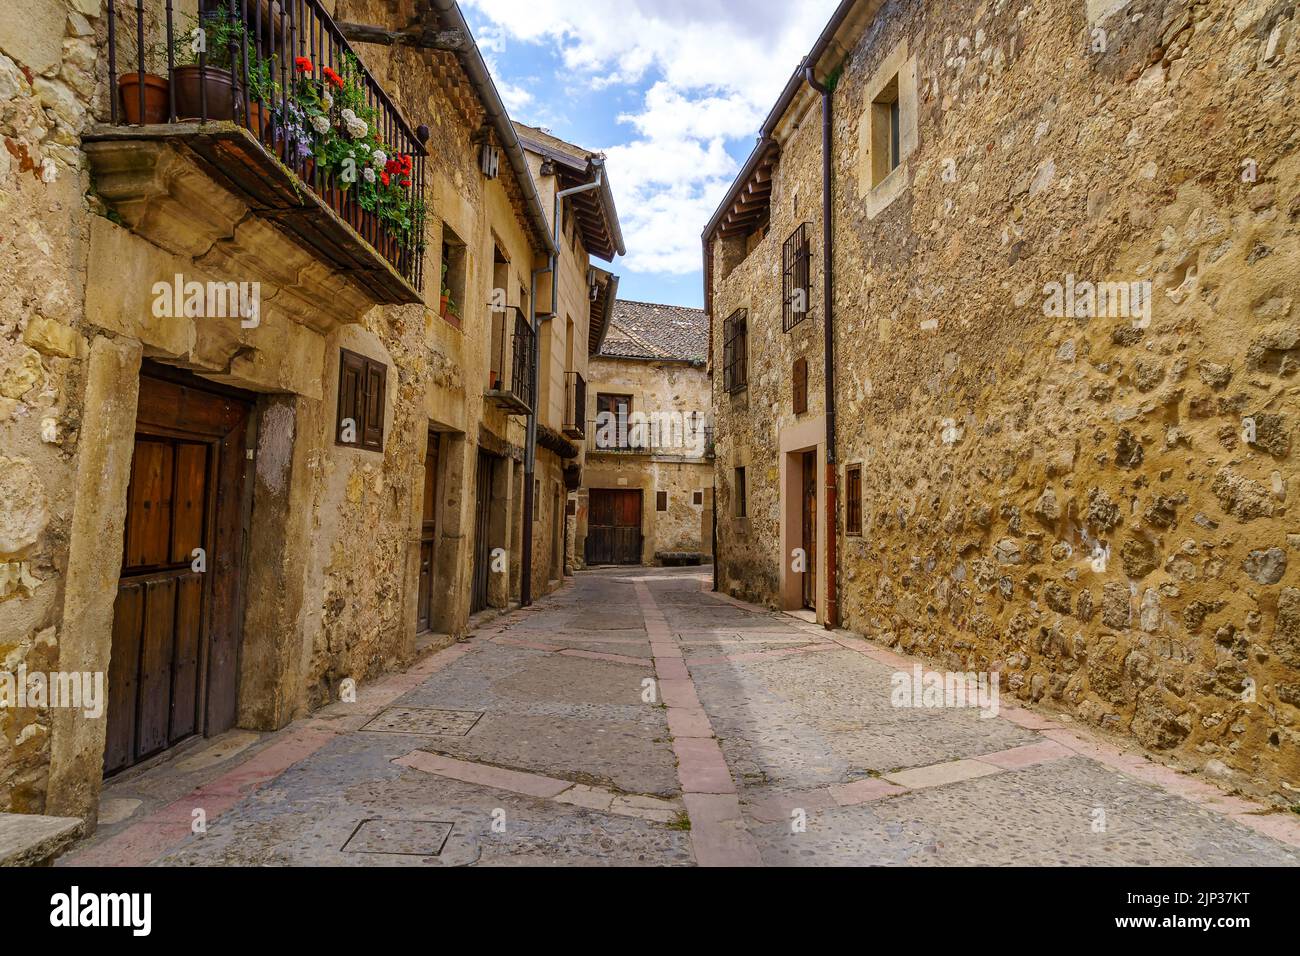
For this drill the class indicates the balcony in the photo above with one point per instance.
(269, 103)
(510, 378)
(575, 405)
(664, 436)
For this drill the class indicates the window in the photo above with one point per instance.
(661, 501)
(886, 132)
(699, 498)
(742, 493)
(799, 380)
(451, 304)
(612, 415)
(735, 348)
(853, 500)
(571, 508)
(796, 270)
(362, 383)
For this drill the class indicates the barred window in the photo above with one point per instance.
(735, 349)
(796, 270)
(853, 500)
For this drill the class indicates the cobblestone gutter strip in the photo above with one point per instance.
(1077, 740)
(719, 836)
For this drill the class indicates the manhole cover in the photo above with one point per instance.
(399, 837)
(432, 723)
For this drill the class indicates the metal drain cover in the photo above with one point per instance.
(399, 837)
(431, 723)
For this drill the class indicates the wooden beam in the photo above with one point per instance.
(425, 39)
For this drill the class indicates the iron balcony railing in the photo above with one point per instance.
(282, 70)
(510, 381)
(669, 436)
(575, 404)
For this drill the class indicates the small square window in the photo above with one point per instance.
(362, 385)
(699, 498)
(661, 501)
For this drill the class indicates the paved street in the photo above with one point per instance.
(636, 718)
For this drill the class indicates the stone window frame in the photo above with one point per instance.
(884, 169)
(741, 492)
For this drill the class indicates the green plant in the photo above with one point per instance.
(212, 35)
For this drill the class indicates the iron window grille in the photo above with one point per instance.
(735, 349)
(853, 500)
(796, 271)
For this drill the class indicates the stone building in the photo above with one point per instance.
(260, 441)
(1063, 330)
(647, 495)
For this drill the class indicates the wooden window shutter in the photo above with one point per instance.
(661, 501)
(372, 434)
(800, 377)
(352, 371)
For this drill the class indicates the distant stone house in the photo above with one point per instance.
(1065, 287)
(235, 511)
(647, 495)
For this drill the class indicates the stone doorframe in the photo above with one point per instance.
(794, 441)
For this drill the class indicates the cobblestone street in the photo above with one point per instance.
(768, 741)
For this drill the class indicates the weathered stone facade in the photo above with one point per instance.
(662, 372)
(1093, 502)
(333, 543)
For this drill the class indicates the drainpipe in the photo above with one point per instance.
(832, 470)
(530, 443)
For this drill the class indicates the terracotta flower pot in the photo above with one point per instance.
(442, 305)
(155, 98)
(220, 85)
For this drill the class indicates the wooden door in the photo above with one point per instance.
(428, 538)
(484, 480)
(177, 620)
(614, 527)
(809, 536)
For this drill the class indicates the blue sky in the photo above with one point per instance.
(673, 91)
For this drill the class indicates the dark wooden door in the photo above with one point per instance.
(809, 536)
(428, 538)
(177, 620)
(482, 530)
(614, 527)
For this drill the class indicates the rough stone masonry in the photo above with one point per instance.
(1094, 501)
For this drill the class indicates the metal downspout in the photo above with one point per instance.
(828, 309)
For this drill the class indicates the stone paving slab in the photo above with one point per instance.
(744, 757)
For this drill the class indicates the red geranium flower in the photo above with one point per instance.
(303, 64)
(335, 80)
(406, 183)
(385, 178)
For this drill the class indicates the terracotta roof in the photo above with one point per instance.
(646, 330)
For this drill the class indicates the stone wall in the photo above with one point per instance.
(47, 81)
(1094, 505)
(656, 387)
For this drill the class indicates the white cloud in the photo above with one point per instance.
(714, 69)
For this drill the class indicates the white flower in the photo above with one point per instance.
(357, 128)
(326, 100)
(321, 124)
(369, 174)
(348, 116)
(380, 157)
